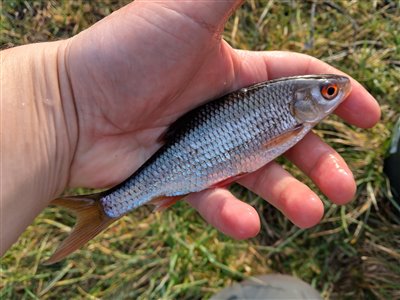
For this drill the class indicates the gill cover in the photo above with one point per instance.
(316, 98)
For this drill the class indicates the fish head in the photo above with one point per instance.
(317, 96)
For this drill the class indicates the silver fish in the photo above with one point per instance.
(212, 146)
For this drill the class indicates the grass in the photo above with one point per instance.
(354, 252)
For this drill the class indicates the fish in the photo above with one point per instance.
(211, 146)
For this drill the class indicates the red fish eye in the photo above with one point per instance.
(329, 91)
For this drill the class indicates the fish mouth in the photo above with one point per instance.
(346, 87)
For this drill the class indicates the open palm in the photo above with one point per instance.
(135, 72)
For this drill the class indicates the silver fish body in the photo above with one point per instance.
(227, 137)
(210, 146)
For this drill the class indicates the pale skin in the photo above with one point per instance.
(88, 111)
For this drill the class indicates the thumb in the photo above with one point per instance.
(209, 15)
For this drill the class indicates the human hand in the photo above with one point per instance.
(135, 72)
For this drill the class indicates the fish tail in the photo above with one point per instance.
(91, 220)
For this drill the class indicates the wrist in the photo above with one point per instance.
(38, 115)
(38, 132)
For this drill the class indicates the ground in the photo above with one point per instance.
(353, 254)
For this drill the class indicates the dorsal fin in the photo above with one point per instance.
(181, 124)
(178, 125)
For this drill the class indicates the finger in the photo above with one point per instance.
(360, 108)
(225, 212)
(293, 198)
(325, 167)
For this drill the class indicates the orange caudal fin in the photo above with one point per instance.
(162, 203)
(91, 220)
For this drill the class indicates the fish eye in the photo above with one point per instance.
(329, 91)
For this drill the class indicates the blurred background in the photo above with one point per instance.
(354, 253)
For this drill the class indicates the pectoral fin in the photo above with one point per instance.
(284, 137)
(228, 181)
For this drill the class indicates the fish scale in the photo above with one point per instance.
(209, 148)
